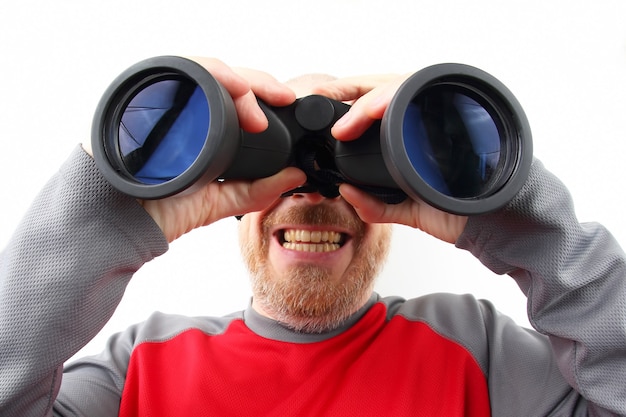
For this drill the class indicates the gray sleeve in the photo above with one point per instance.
(574, 276)
(62, 275)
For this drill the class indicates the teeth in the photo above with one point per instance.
(311, 240)
(315, 236)
(311, 247)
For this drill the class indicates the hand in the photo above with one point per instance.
(370, 96)
(440, 224)
(182, 213)
(244, 85)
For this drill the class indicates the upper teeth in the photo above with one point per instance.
(311, 240)
(315, 236)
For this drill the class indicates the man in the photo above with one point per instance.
(315, 340)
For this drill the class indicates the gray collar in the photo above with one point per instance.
(272, 329)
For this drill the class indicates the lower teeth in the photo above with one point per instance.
(311, 247)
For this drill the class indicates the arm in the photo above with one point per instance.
(573, 274)
(68, 264)
(63, 274)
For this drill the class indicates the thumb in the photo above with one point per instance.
(261, 193)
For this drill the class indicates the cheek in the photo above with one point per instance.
(375, 246)
(249, 229)
(244, 235)
(251, 242)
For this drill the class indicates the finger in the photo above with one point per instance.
(260, 194)
(371, 106)
(181, 213)
(351, 88)
(360, 116)
(235, 84)
(251, 118)
(372, 210)
(244, 85)
(267, 88)
(444, 226)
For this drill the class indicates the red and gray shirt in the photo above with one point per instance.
(68, 264)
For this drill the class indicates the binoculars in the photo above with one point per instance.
(453, 136)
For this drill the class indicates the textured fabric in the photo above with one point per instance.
(574, 276)
(67, 265)
(52, 273)
(238, 373)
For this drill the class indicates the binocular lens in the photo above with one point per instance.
(456, 138)
(163, 126)
(163, 129)
(452, 141)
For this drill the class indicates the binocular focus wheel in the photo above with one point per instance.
(315, 113)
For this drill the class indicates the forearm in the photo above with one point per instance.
(574, 277)
(62, 275)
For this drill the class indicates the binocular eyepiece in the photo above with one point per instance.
(452, 136)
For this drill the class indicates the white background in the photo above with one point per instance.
(565, 60)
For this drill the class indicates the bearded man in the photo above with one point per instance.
(316, 339)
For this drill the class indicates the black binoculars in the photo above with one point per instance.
(452, 136)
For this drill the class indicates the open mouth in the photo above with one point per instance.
(311, 240)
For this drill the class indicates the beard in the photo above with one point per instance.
(308, 298)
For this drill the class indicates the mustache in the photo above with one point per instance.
(317, 215)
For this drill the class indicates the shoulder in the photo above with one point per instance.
(440, 309)
(460, 318)
(162, 327)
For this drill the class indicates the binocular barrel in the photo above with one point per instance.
(452, 136)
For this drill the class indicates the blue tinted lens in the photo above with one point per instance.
(163, 130)
(452, 142)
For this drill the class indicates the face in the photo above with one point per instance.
(312, 261)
